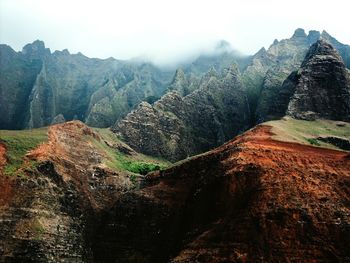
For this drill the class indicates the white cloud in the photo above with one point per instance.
(164, 30)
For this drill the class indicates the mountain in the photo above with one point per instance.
(176, 127)
(278, 192)
(53, 181)
(319, 89)
(37, 85)
(70, 193)
(323, 88)
(263, 78)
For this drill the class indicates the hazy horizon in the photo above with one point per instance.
(164, 32)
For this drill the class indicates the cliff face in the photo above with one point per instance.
(323, 88)
(176, 127)
(37, 85)
(256, 198)
(253, 199)
(18, 75)
(45, 214)
(269, 68)
(319, 89)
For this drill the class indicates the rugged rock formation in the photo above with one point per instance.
(18, 75)
(176, 127)
(322, 87)
(269, 68)
(45, 216)
(252, 200)
(37, 85)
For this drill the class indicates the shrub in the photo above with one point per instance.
(313, 141)
(141, 167)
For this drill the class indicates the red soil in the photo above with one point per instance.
(2, 156)
(256, 199)
(6, 184)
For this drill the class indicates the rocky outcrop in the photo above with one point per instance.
(46, 215)
(18, 75)
(37, 85)
(323, 86)
(265, 75)
(253, 199)
(176, 127)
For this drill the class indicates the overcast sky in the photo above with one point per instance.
(165, 31)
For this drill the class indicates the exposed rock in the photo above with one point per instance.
(58, 119)
(323, 87)
(341, 143)
(176, 127)
(253, 199)
(265, 75)
(46, 216)
(180, 83)
(299, 33)
(37, 85)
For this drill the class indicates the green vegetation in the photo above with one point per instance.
(133, 162)
(37, 229)
(18, 144)
(292, 130)
(313, 141)
(140, 167)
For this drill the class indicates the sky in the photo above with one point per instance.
(165, 31)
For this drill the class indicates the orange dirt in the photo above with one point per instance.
(6, 184)
(75, 159)
(256, 199)
(2, 156)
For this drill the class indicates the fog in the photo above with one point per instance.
(164, 31)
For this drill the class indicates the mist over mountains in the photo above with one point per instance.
(39, 87)
(225, 158)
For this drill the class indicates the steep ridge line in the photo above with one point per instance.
(254, 199)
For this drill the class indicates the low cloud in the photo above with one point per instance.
(164, 31)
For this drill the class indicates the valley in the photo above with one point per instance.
(228, 158)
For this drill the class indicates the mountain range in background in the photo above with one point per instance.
(39, 87)
(278, 192)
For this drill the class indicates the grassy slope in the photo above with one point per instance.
(307, 132)
(116, 160)
(18, 143)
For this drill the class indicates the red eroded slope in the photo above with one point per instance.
(254, 199)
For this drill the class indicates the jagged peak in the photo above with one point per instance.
(36, 45)
(325, 34)
(231, 72)
(328, 37)
(299, 33)
(313, 36)
(262, 51)
(321, 48)
(36, 48)
(212, 71)
(179, 74)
